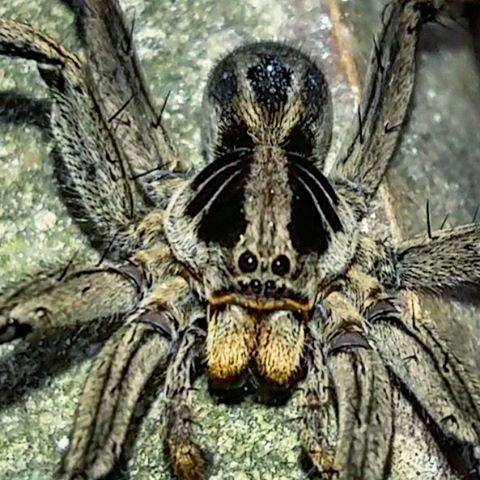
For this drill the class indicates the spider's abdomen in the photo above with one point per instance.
(267, 94)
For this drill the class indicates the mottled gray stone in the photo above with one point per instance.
(178, 43)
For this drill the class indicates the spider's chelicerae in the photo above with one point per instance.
(254, 268)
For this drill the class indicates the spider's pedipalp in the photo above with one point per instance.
(280, 347)
(113, 388)
(185, 456)
(450, 259)
(385, 99)
(66, 298)
(114, 66)
(230, 346)
(441, 381)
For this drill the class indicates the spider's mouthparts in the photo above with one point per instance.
(299, 305)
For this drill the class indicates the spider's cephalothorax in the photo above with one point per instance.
(255, 266)
(261, 226)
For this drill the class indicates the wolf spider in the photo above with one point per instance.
(254, 268)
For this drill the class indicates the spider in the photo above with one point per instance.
(254, 268)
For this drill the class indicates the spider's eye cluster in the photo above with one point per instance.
(248, 263)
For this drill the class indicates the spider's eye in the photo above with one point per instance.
(247, 262)
(256, 285)
(281, 265)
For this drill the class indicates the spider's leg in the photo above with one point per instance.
(185, 456)
(448, 259)
(364, 402)
(94, 175)
(319, 420)
(120, 373)
(365, 414)
(386, 96)
(68, 297)
(19, 109)
(113, 61)
(113, 388)
(442, 383)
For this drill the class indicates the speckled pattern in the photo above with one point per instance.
(178, 42)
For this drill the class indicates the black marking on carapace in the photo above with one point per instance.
(207, 182)
(320, 178)
(225, 220)
(300, 141)
(219, 199)
(234, 140)
(321, 193)
(306, 228)
(212, 185)
(271, 80)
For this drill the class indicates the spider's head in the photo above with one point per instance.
(260, 226)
